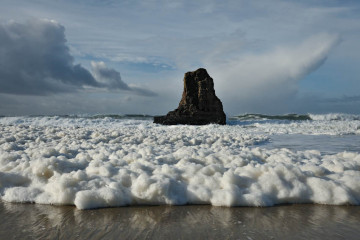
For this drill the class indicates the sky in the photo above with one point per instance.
(130, 57)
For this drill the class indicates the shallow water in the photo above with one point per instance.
(34, 221)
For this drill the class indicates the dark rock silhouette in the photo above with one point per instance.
(199, 105)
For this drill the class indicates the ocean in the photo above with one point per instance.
(125, 160)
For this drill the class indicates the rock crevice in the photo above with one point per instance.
(199, 105)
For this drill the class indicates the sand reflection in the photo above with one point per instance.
(179, 222)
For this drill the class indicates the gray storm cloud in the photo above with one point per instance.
(35, 60)
(108, 77)
(111, 79)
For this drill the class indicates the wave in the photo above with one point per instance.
(91, 116)
(102, 116)
(334, 117)
(243, 117)
(297, 117)
(253, 116)
(113, 116)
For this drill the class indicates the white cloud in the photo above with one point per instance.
(269, 78)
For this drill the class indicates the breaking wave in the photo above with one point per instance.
(252, 116)
(334, 117)
(297, 117)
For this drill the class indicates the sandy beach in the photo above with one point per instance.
(306, 221)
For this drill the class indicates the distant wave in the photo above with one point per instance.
(91, 116)
(297, 117)
(252, 116)
(244, 117)
(115, 116)
(334, 117)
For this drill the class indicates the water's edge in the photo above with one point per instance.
(33, 221)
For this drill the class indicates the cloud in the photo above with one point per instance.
(108, 77)
(269, 77)
(35, 60)
(111, 79)
(254, 50)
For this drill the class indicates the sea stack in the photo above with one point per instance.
(199, 105)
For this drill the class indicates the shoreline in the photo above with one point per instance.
(295, 221)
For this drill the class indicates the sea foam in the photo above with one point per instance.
(108, 162)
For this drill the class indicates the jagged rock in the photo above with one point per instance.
(199, 105)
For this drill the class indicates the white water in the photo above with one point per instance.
(114, 162)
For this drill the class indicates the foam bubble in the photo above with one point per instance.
(90, 164)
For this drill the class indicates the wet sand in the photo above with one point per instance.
(35, 221)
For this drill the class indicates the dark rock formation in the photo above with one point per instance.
(199, 105)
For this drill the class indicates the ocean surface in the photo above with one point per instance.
(121, 160)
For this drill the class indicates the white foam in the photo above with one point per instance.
(323, 127)
(334, 117)
(105, 162)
